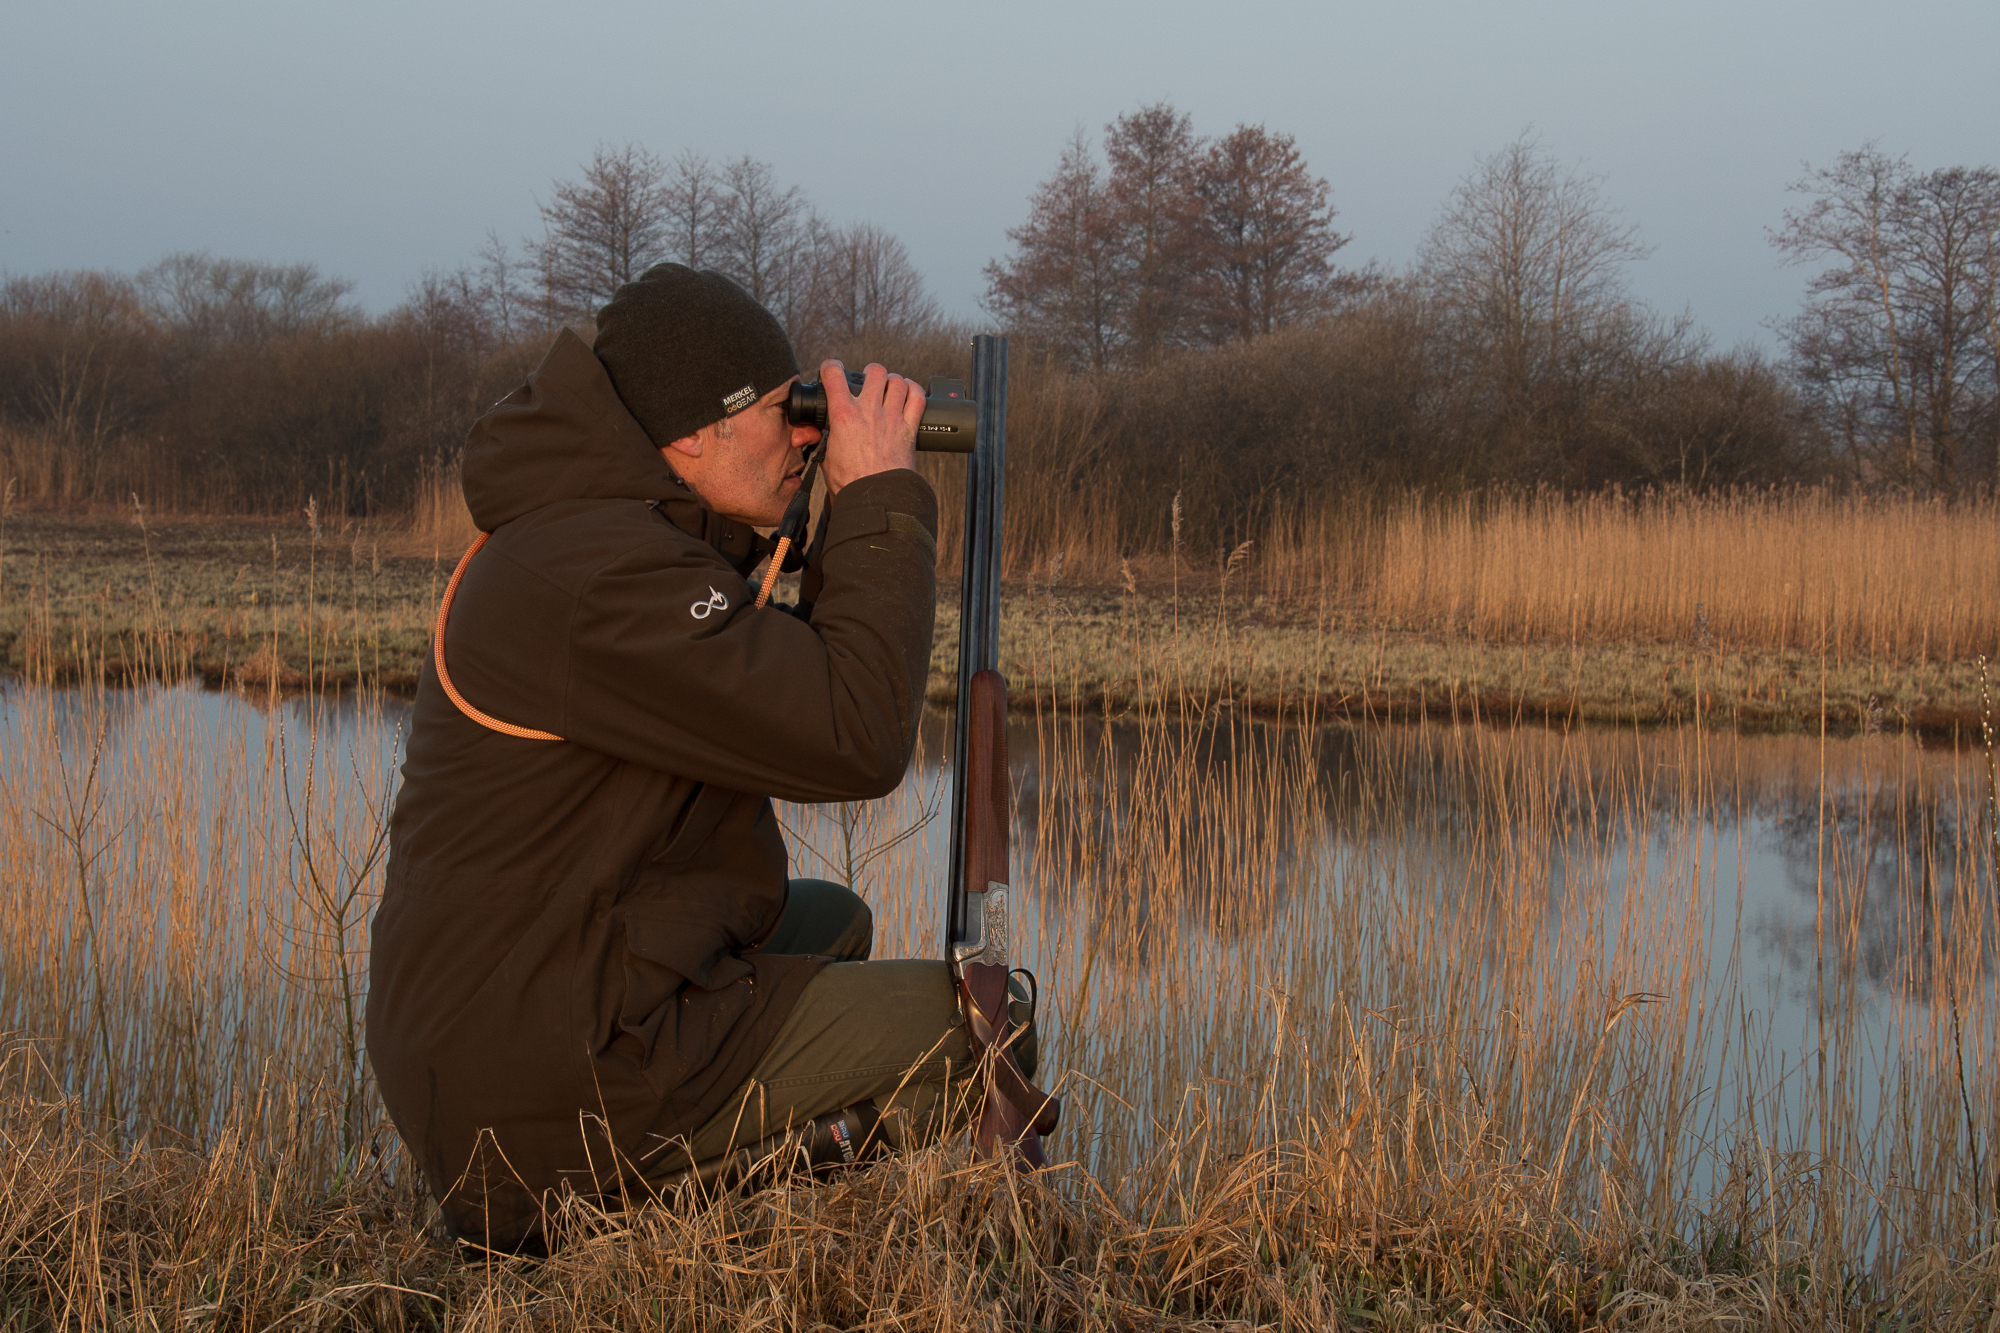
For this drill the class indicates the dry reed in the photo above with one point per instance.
(1773, 610)
(1438, 1026)
(1854, 576)
(440, 522)
(1421, 1028)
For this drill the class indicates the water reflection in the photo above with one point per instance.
(1225, 880)
(1917, 907)
(185, 885)
(1898, 827)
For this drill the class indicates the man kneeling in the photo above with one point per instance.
(589, 968)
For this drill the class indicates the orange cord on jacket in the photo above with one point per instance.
(444, 677)
(771, 574)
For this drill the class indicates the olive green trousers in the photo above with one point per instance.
(888, 1030)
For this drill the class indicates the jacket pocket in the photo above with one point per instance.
(696, 825)
(668, 1024)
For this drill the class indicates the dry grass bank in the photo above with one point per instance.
(1853, 578)
(122, 596)
(1283, 1237)
(1407, 1028)
(1139, 653)
(1770, 611)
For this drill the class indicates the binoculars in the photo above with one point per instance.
(950, 424)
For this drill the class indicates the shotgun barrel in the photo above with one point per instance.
(1014, 1113)
(978, 621)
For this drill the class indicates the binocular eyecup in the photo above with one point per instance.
(950, 424)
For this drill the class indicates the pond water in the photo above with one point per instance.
(1892, 808)
(1247, 884)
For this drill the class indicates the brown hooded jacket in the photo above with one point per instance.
(564, 970)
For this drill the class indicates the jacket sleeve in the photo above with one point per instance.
(670, 666)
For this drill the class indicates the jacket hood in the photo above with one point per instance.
(564, 435)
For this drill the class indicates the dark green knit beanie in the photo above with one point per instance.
(687, 348)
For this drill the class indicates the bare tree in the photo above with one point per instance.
(445, 317)
(501, 298)
(1526, 271)
(1267, 237)
(603, 230)
(205, 302)
(1988, 283)
(805, 265)
(1062, 288)
(760, 232)
(1182, 243)
(1895, 344)
(1155, 220)
(694, 198)
(85, 331)
(1530, 253)
(865, 286)
(461, 337)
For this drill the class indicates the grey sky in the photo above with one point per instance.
(379, 139)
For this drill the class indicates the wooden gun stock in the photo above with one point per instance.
(1014, 1111)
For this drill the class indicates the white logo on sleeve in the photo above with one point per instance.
(716, 602)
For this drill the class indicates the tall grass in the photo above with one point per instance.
(440, 522)
(1397, 1026)
(1876, 577)
(1519, 956)
(187, 895)
(1857, 576)
(1401, 1026)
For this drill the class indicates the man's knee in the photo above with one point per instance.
(825, 918)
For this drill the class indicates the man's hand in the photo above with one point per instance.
(873, 431)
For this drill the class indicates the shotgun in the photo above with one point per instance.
(1014, 1113)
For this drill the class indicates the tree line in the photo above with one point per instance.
(1180, 329)
(1173, 243)
(629, 209)
(1240, 370)
(226, 384)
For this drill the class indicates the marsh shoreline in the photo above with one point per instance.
(267, 604)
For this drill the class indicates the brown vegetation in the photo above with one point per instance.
(1438, 1052)
(129, 598)
(1896, 346)
(1849, 577)
(213, 385)
(1179, 331)
(1440, 1044)
(1763, 611)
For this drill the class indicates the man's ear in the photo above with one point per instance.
(688, 445)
